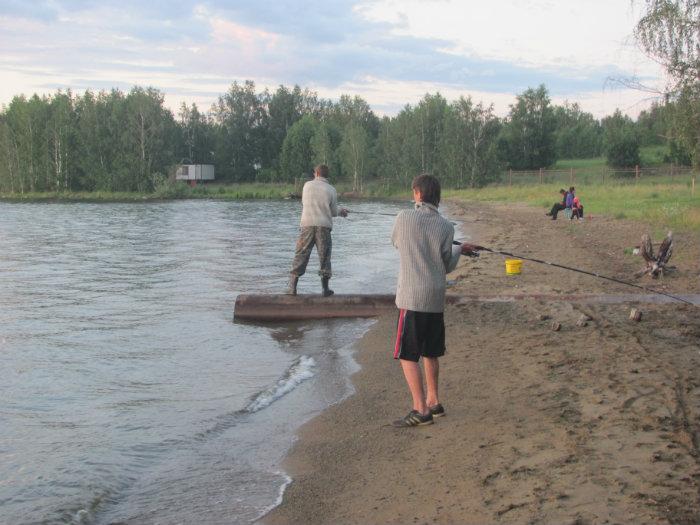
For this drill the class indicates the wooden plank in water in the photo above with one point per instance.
(282, 307)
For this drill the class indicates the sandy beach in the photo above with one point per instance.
(594, 423)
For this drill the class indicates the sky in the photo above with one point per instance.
(389, 52)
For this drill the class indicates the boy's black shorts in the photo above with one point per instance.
(419, 334)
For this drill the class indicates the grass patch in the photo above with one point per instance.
(166, 191)
(580, 164)
(650, 156)
(663, 205)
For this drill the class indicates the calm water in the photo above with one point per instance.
(128, 395)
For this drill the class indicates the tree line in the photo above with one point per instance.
(116, 141)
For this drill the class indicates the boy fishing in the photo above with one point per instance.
(319, 205)
(423, 238)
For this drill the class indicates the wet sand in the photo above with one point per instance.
(589, 424)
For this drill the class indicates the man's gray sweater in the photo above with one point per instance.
(424, 240)
(319, 203)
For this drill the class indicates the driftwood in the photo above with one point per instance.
(655, 264)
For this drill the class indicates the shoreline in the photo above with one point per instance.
(537, 431)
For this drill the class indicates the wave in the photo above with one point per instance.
(300, 371)
(280, 496)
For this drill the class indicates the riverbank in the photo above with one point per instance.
(173, 191)
(658, 203)
(588, 424)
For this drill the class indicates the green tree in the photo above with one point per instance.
(398, 149)
(325, 144)
(529, 134)
(429, 119)
(91, 148)
(196, 135)
(653, 125)
(354, 110)
(621, 141)
(354, 151)
(9, 179)
(284, 108)
(297, 157)
(61, 141)
(240, 118)
(468, 151)
(578, 134)
(150, 138)
(669, 33)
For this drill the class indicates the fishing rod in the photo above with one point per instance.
(372, 213)
(382, 213)
(586, 272)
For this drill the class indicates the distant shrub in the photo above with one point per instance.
(200, 190)
(167, 189)
(267, 175)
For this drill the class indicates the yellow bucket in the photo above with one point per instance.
(513, 266)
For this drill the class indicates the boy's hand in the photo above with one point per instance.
(470, 250)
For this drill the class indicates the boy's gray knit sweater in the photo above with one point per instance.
(319, 202)
(424, 240)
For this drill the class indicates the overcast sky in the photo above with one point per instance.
(390, 52)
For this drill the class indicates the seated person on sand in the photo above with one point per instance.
(577, 208)
(558, 206)
(569, 200)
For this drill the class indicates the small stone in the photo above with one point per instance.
(583, 320)
(555, 326)
(542, 317)
(635, 315)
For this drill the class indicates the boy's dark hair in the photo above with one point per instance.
(562, 191)
(322, 170)
(429, 188)
(572, 189)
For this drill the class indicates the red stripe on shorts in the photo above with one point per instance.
(399, 333)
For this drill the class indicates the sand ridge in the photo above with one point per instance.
(588, 424)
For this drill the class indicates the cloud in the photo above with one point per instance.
(195, 47)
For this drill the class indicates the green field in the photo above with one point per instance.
(662, 201)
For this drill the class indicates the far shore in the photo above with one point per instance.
(201, 192)
(662, 206)
(596, 420)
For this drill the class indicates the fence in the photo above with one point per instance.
(603, 176)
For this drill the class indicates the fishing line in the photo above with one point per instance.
(381, 213)
(372, 213)
(594, 274)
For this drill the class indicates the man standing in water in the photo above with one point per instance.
(319, 205)
(424, 240)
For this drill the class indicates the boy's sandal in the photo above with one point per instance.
(413, 419)
(437, 410)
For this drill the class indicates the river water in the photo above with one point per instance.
(128, 394)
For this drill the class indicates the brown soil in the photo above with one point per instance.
(589, 424)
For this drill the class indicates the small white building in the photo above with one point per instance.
(194, 172)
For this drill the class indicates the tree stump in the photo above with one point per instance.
(655, 264)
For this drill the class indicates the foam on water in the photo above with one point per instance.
(280, 495)
(300, 371)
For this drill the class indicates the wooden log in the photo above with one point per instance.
(281, 307)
